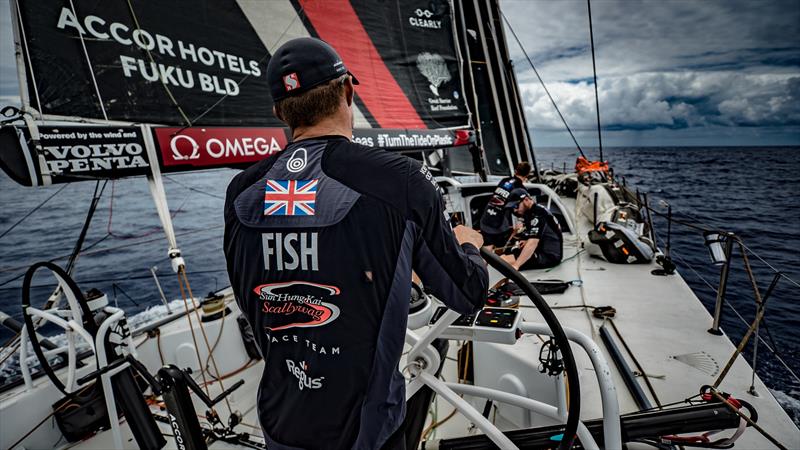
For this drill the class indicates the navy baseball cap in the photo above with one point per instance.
(517, 195)
(301, 64)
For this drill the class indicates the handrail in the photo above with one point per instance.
(559, 336)
(612, 435)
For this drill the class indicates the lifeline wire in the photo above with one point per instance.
(773, 348)
(33, 211)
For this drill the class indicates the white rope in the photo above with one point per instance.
(89, 62)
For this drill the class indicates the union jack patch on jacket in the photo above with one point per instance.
(290, 197)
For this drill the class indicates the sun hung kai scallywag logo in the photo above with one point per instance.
(297, 304)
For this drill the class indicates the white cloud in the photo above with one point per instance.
(670, 100)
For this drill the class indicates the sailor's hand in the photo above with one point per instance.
(465, 234)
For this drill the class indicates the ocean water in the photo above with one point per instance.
(749, 191)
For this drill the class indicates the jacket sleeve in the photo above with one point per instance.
(455, 274)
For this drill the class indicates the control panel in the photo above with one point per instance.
(489, 324)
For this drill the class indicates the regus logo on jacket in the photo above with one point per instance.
(300, 371)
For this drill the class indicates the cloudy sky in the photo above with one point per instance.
(670, 72)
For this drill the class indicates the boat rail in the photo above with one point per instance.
(426, 359)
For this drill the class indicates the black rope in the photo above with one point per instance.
(33, 211)
(98, 193)
(542, 82)
(115, 287)
(194, 189)
(594, 72)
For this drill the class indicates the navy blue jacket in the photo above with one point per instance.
(496, 218)
(320, 241)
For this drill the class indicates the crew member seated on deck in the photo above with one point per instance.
(538, 237)
(496, 221)
(320, 243)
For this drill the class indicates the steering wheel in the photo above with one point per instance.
(574, 397)
(75, 319)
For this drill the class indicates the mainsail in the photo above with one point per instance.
(189, 81)
(203, 63)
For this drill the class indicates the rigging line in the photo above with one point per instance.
(30, 63)
(13, 269)
(194, 337)
(153, 62)
(682, 261)
(76, 251)
(55, 297)
(191, 188)
(594, 72)
(514, 33)
(182, 273)
(89, 63)
(246, 77)
(789, 279)
(8, 230)
(107, 249)
(704, 229)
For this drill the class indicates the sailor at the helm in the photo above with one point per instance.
(538, 235)
(320, 242)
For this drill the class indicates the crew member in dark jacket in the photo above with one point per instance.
(539, 238)
(496, 221)
(320, 242)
